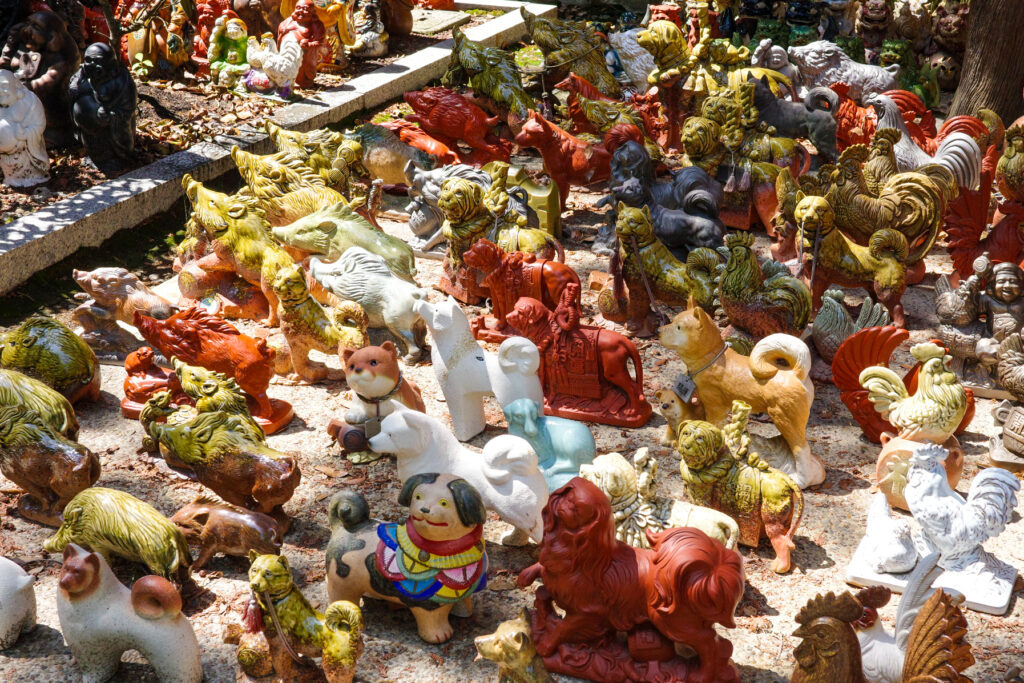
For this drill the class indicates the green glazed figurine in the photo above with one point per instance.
(571, 46)
(116, 523)
(47, 350)
(491, 72)
(26, 393)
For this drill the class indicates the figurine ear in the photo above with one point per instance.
(252, 556)
(29, 340)
(647, 212)
(621, 207)
(284, 562)
(347, 353)
(390, 348)
(236, 210)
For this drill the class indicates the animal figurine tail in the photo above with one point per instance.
(344, 616)
(775, 347)
(509, 456)
(154, 597)
(350, 510)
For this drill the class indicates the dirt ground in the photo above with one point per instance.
(832, 526)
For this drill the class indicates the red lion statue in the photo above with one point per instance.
(672, 593)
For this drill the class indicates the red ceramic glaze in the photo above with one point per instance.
(413, 135)
(312, 36)
(198, 338)
(584, 370)
(208, 11)
(145, 379)
(450, 117)
(874, 346)
(567, 159)
(672, 593)
(511, 276)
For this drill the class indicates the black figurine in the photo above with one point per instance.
(105, 101)
(43, 55)
(814, 118)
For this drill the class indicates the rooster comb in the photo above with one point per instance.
(928, 453)
(855, 154)
(843, 607)
(739, 239)
(891, 135)
(927, 351)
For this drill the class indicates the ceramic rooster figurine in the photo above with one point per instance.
(833, 324)
(935, 410)
(950, 525)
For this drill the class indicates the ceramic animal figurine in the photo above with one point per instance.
(145, 379)
(414, 136)
(953, 528)
(636, 61)
(760, 298)
(146, 618)
(23, 159)
(843, 639)
(112, 522)
(384, 155)
(365, 278)
(329, 153)
(311, 34)
(836, 258)
(567, 159)
(603, 115)
(112, 295)
(571, 46)
(511, 648)
(805, 119)
(284, 188)
(870, 347)
(48, 466)
(27, 393)
(583, 369)
(713, 461)
(630, 487)
(43, 55)
(604, 585)
(105, 103)
(490, 72)
(562, 446)
(505, 474)
(431, 562)
(772, 379)
(510, 276)
(894, 462)
(376, 380)
(306, 326)
(425, 218)
(833, 324)
(467, 373)
(19, 601)
(239, 239)
(822, 63)
(329, 232)
(272, 70)
(934, 412)
(220, 443)
(371, 36)
(281, 627)
(45, 349)
(451, 118)
(671, 406)
(219, 527)
(198, 338)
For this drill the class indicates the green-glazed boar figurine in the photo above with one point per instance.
(47, 350)
(23, 392)
(116, 523)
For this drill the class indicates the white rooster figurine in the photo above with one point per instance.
(272, 68)
(935, 410)
(950, 525)
(891, 546)
(957, 152)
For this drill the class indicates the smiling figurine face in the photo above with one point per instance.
(1006, 285)
(442, 507)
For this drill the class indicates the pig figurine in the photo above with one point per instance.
(17, 603)
(220, 527)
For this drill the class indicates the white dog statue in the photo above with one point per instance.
(388, 300)
(824, 63)
(101, 619)
(505, 473)
(23, 160)
(467, 373)
(17, 603)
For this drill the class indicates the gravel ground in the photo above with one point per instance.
(832, 526)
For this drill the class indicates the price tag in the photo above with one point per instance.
(685, 388)
(372, 427)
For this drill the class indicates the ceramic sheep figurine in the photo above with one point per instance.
(17, 603)
(562, 445)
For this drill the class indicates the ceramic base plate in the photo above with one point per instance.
(987, 590)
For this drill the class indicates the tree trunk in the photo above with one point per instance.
(993, 69)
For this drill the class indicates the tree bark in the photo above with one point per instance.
(993, 68)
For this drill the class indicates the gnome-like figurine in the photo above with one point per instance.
(23, 160)
(105, 102)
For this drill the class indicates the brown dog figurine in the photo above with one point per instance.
(220, 527)
(773, 379)
(51, 468)
(376, 379)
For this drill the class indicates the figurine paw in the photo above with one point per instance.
(436, 634)
(516, 537)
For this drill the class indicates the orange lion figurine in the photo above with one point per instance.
(673, 593)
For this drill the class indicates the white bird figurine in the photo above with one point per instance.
(892, 547)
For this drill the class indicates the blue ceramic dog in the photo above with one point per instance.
(562, 445)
